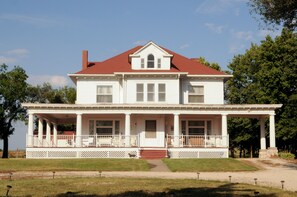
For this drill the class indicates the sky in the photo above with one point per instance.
(46, 37)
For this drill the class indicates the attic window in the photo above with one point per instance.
(150, 61)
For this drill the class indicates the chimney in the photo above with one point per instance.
(85, 59)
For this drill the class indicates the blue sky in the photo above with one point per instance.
(47, 37)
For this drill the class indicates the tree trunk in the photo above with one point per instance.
(251, 154)
(5, 147)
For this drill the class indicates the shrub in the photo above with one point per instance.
(285, 155)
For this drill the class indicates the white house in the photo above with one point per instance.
(147, 102)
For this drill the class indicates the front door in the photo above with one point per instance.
(151, 136)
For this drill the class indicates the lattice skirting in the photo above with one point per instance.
(81, 152)
(198, 153)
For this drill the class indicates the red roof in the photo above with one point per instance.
(120, 63)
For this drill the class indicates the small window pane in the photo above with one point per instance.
(91, 127)
(208, 127)
(196, 131)
(104, 123)
(159, 63)
(117, 127)
(104, 131)
(142, 63)
(196, 123)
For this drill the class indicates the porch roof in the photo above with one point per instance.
(228, 109)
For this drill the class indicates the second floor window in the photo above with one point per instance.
(196, 94)
(150, 92)
(162, 92)
(104, 94)
(150, 61)
(139, 92)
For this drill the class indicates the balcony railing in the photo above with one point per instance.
(181, 141)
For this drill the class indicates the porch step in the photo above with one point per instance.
(153, 154)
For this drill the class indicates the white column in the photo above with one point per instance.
(176, 130)
(127, 129)
(272, 131)
(30, 130)
(48, 133)
(224, 130)
(262, 134)
(55, 133)
(40, 132)
(78, 129)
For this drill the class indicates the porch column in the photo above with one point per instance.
(272, 131)
(30, 130)
(262, 134)
(40, 132)
(48, 133)
(224, 130)
(176, 130)
(78, 129)
(127, 129)
(55, 133)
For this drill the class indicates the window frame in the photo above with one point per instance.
(150, 62)
(196, 94)
(109, 94)
(161, 93)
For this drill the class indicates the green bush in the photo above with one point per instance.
(285, 155)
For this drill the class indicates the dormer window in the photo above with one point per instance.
(150, 61)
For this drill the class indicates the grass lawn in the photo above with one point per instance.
(60, 187)
(73, 164)
(207, 165)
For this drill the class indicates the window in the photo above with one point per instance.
(104, 94)
(150, 61)
(208, 127)
(139, 92)
(162, 92)
(104, 127)
(150, 92)
(196, 94)
(196, 127)
(159, 63)
(91, 127)
(150, 129)
(116, 127)
(142, 63)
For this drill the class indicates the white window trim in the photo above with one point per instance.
(156, 92)
(113, 125)
(205, 125)
(112, 92)
(189, 94)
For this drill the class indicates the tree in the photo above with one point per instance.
(47, 94)
(276, 12)
(267, 74)
(203, 61)
(13, 88)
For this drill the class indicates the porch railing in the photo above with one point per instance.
(83, 141)
(195, 141)
(202, 141)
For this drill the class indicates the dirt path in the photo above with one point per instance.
(271, 174)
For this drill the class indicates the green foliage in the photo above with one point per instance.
(13, 89)
(47, 94)
(215, 66)
(267, 74)
(286, 155)
(276, 12)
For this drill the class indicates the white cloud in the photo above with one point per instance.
(13, 56)
(263, 33)
(7, 60)
(18, 52)
(54, 80)
(217, 6)
(215, 28)
(184, 46)
(38, 21)
(243, 35)
(234, 48)
(140, 42)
